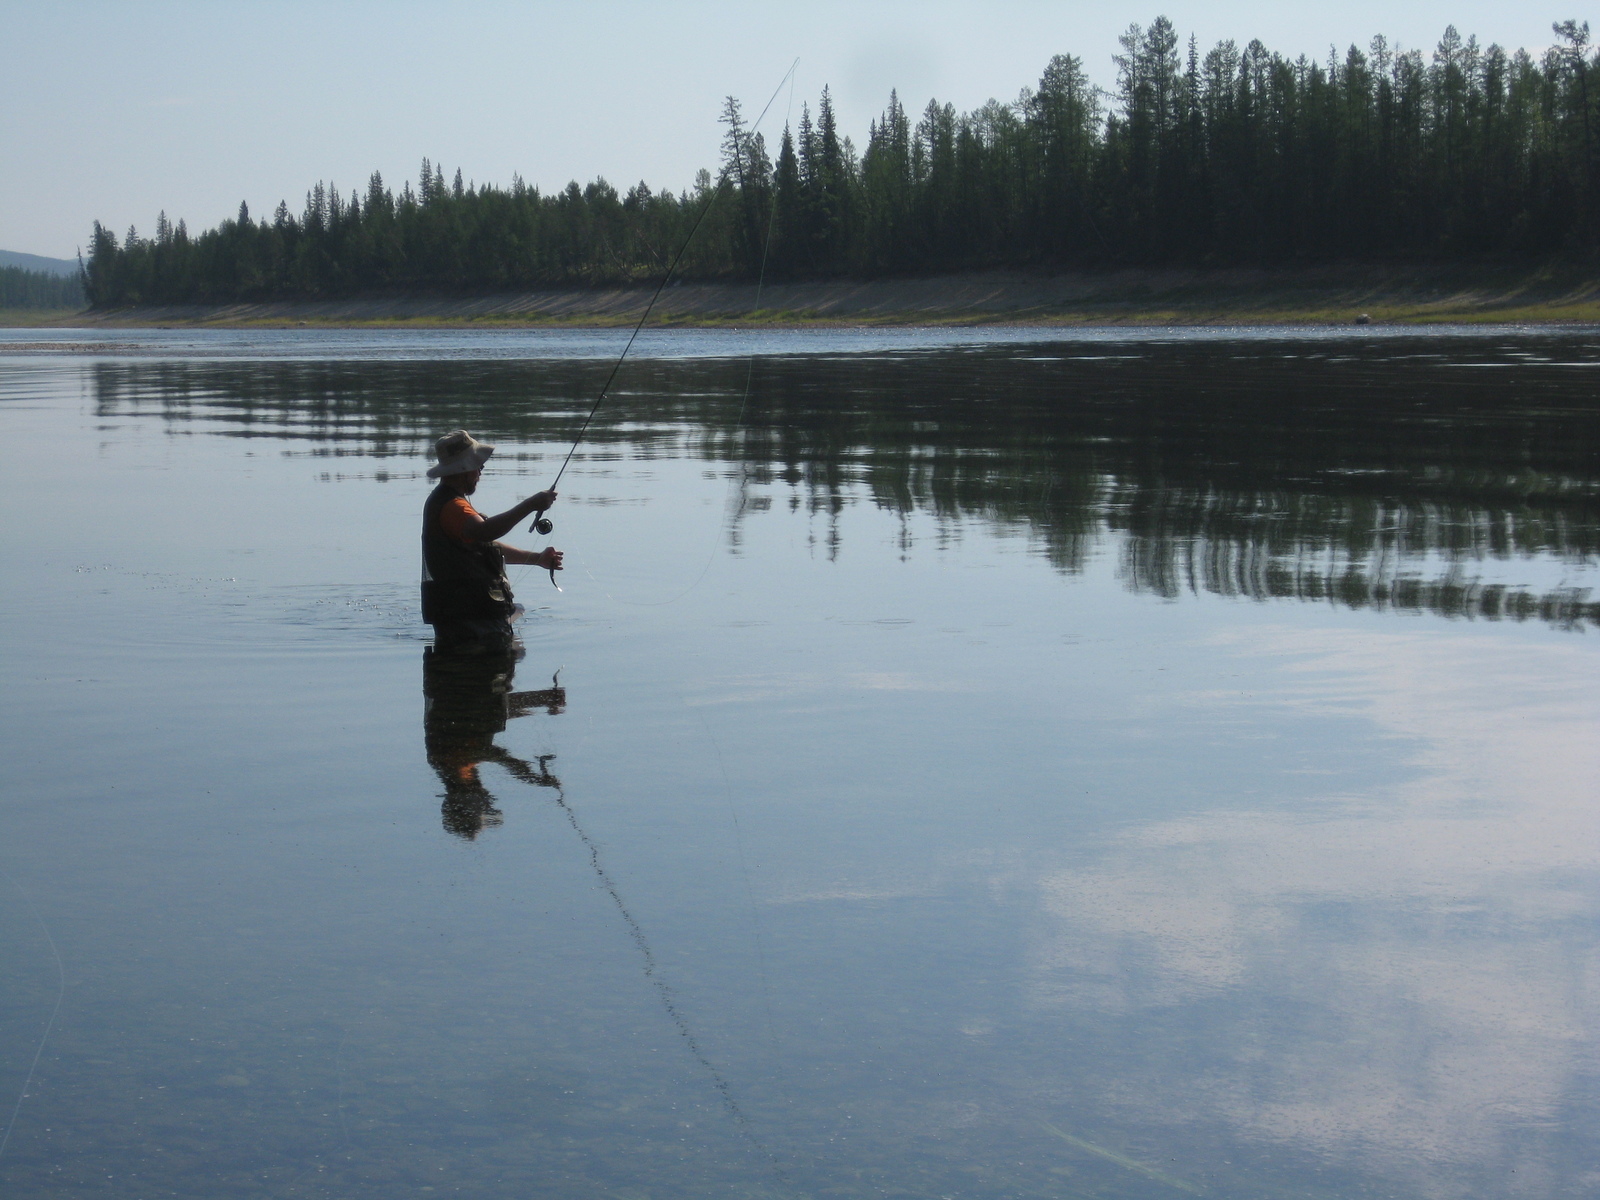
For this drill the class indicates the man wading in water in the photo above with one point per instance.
(465, 594)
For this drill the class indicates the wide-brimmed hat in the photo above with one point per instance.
(458, 453)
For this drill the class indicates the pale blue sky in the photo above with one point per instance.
(118, 110)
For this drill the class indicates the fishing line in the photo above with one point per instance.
(744, 474)
(664, 991)
(61, 994)
(744, 401)
(542, 524)
(761, 282)
(755, 911)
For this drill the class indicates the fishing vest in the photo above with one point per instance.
(460, 582)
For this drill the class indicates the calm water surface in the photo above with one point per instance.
(978, 764)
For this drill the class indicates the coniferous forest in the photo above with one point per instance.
(22, 288)
(1228, 156)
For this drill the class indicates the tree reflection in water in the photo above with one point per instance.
(1390, 472)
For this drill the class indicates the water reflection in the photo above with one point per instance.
(468, 701)
(1393, 475)
(883, 879)
(1437, 1024)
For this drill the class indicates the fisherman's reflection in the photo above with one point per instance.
(469, 700)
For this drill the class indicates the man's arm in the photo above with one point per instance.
(549, 558)
(488, 529)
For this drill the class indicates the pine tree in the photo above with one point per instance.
(830, 190)
(789, 233)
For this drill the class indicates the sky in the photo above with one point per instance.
(117, 111)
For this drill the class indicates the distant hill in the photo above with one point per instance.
(38, 262)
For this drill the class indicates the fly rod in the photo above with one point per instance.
(542, 524)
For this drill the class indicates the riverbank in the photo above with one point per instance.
(1318, 296)
(41, 318)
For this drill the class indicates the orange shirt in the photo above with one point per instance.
(453, 518)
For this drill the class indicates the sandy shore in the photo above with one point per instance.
(1332, 295)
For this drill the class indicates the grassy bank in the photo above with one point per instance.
(1315, 296)
(39, 318)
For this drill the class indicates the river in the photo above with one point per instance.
(987, 763)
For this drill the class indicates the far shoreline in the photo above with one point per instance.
(1553, 295)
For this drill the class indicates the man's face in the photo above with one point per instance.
(467, 482)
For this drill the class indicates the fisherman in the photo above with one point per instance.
(465, 594)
